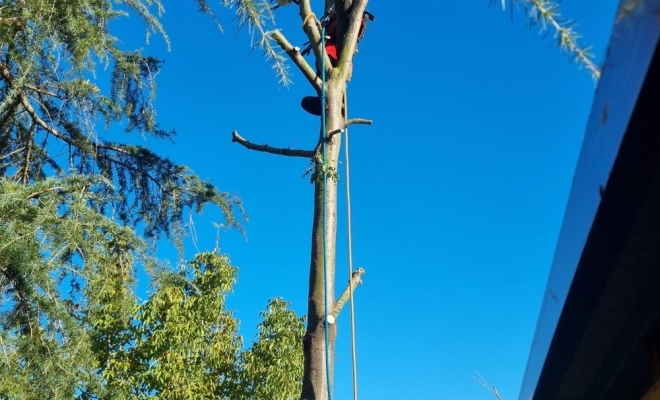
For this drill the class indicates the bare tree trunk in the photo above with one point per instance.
(315, 377)
(349, 19)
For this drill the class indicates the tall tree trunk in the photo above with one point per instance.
(344, 31)
(322, 266)
(315, 377)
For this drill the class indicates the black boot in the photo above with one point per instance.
(311, 104)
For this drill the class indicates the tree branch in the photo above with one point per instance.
(298, 59)
(118, 149)
(13, 152)
(480, 380)
(568, 38)
(360, 121)
(350, 43)
(350, 122)
(10, 112)
(12, 21)
(313, 32)
(28, 144)
(6, 75)
(43, 91)
(352, 284)
(39, 193)
(235, 137)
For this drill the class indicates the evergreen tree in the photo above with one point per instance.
(71, 201)
(51, 105)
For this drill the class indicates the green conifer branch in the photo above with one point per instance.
(546, 13)
(258, 17)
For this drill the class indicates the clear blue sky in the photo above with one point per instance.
(458, 188)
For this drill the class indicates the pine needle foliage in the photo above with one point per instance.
(51, 105)
(546, 13)
(71, 203)
(59, 260)
(258, 17)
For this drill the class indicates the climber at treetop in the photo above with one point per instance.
(312, 104)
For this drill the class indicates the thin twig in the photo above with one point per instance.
(43, 91)
(13, 152)
(480, 380)
(3, 347)
(567, 40)
(26, 170)
(546, 12)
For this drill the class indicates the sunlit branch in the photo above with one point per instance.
(360, 121)
(546, 12)
(356, 279)
(269, 149)
(567, 38)
(311, 29)
(480, 380)
(43, 91)
(350, 43)
(298, 59)
(350, 122)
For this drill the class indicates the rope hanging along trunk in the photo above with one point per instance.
(350, 249)
(325, 201)
(349, 231)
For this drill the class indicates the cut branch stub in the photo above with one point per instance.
(356, 279)
(352, 121)
(264, 148)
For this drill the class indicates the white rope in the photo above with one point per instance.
(350, 251)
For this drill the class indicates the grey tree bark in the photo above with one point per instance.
(315, 382)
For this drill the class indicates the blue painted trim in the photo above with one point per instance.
(632, 46)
